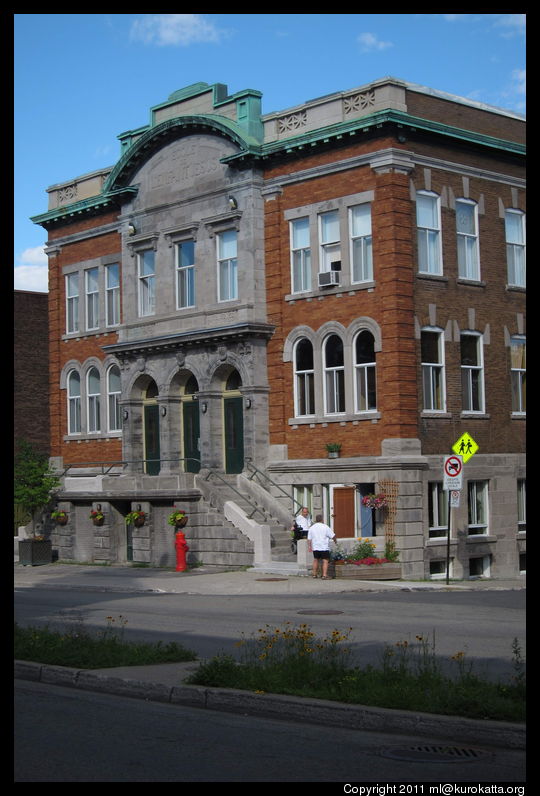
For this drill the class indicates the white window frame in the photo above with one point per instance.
(114, 417)
(472, 393)
(334, 380)
(428, 236)
(93, 403)
(364, 374)
(304, 383)
(515, 248)
(437, 510)
(300, 256)
(433, 374)
(518, 375)
(185, 276)
(478, 508)
(522, 505)
(91, 286)
(361, 243)
(72, 303)
(146, 282)
(227, 267)
(329, 246)
(468, 249)
(112, 294)
(74, 403)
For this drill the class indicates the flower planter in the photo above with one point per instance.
(390, 571)
(62, 521)
(33, 552)
(139, 522)
(98, 522)
(181, 523)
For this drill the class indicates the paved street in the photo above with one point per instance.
(62, 735)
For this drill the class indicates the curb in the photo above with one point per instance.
(315, 711)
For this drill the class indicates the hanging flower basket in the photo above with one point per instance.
(178, 519)
(97, 517)
(60, 517)
(375, 501)
(137, 518)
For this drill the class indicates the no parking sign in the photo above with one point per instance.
(453, 471)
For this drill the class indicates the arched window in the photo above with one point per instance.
(114, 392)
(334, 375)
(74, 403)
(365, 375)
(304, 378)
(93, 395)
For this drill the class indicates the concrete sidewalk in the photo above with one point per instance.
(212, 580)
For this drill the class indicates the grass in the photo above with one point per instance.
(291, 660)
(78, 648)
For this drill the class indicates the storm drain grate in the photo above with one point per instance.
(269, 580)
(314, 612)
(435, 754)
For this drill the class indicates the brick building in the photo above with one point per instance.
(31, 369)
(241, 291)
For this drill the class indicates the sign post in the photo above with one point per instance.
(464, 449)
(453, 470)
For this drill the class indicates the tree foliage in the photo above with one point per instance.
(33, 478)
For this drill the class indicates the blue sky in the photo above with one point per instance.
(82, 79)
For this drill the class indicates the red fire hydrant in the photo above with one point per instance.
(181, 550)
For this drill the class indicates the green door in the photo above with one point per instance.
(234, 434)
(191, 436)
(151, 438)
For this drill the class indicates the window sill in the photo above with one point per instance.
(310, 295)
(317, 420)
(475, 416)
(432, 415)
(516, 288)
(98, 437)
(480, 537)
(518, 416)
(435, 277)
(461, 280)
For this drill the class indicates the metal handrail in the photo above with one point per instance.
(234, 489)
(256, 471)
(123, 463)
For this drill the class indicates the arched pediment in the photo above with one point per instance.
(154, 139)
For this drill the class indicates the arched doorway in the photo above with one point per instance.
(191, 429)
(152, 464)
(233, 424)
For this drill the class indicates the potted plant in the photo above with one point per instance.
(97, 516)
(59, 516)
(35, 550)
(375, 501)
(333, 449)
(178, 518)
(361, 563)
(136, 518)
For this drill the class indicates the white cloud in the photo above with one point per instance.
(174, 29)
(31, 271)
(370, 42)
(512, 23)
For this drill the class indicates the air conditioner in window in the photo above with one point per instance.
(329, 278)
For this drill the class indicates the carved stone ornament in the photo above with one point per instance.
(180, 358)
(141, 364)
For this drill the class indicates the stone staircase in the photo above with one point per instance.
(218, 489)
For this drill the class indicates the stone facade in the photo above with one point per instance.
(230, 241)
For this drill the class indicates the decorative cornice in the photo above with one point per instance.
(179, 340)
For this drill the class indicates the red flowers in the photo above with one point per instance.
(370, 561)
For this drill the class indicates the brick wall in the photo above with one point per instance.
(31, 369)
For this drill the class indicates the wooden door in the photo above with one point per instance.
(191, 430)
(344, 525)
(151, 439)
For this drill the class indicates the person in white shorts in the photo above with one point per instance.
(319, 538)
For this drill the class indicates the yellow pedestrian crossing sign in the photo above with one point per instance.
(465, 447)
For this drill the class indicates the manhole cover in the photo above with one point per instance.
(320, 613)
(435, 754)
(268, 580)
